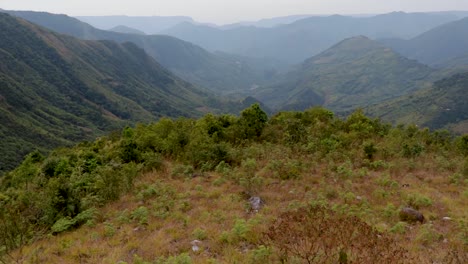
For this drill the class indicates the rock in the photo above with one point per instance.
(359, 198)
(446, 218)
(256, 203)
(195, 245)
(409, 214)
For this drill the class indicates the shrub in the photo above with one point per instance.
(418, 201)
(318, 235)
(399, 228)
(427, 235)
(141, 215)
(261, 255)
(63, 224)
(199, 234)
(369, 150)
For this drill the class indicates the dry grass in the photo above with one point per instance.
(213, 208)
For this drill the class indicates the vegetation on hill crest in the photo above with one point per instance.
(144, 194)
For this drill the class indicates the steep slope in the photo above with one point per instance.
(56, 89)
(353, 73)
(444, 105)
(302, 39)
(441, 46)
(188, 61)
(126, 30)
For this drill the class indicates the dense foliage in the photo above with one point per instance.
(444, 105)
(220, 73)
(61, 191)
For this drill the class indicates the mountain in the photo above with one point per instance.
(353, 73)
(56, 89)
(442, 46)
(147, 24)
(307, 37)
(443, 105)
(268, 22)
(188, 61)
(127, 30)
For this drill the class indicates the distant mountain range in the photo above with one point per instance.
(293, 43)
(444, 105)
(56, 89)
(354, 73)
(443, 46)
(147, 24)
(188, 61)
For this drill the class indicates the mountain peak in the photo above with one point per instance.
(127, 30)
(348, 49)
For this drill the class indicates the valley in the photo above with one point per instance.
(298, 138)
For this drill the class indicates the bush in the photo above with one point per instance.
(315, 234)
(63, 224)
(141, 215)
(199, 234)
(418, 201)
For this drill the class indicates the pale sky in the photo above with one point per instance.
(229, 11)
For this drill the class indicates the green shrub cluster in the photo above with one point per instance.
(61, 191)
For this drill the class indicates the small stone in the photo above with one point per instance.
(256, 203)
(195, 245)
(445, 241)
(446, 218)
(359, 198)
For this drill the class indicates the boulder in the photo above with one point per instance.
(411, 215)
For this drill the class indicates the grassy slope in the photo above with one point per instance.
(354, 73)
(302, 158)
(442, 106)
(62, 90)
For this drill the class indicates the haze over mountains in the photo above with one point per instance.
(442, 46)
(331, 61)
(149, 25)
(293, 43)
(296, 139)
(194, 64)
(354, 73)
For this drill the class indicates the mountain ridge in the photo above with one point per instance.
(353, 73)
(219, 74)
(61, 89)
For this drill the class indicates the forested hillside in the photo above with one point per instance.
(354, 73)
(56, 89)
(248, 189)
(188, 61)
(444, 105)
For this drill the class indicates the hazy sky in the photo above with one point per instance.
(228, 11)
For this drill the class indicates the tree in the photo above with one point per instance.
(252, 122)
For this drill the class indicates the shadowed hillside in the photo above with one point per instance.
(444, 105)
(354, 73)
(190, 62)
(56, 89)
